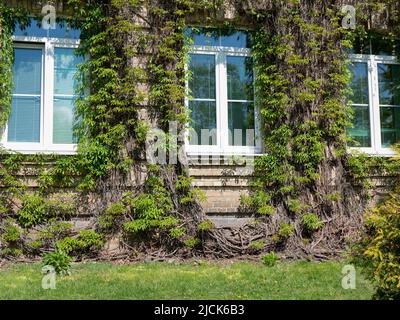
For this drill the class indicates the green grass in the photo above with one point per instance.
(225, 280)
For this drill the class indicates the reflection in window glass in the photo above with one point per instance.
(389, 100)
(377, 45)
(202, 81)
(241, 123)
(240, 101)
(240, 78)
(65, 69)
(361, 129)
(390, 125)
(34, 29)
(203, 122)
(218, 37)
(203, 106)
(24, 121)
(389, 84)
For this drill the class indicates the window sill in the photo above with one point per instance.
(37, 149)
(384, 152)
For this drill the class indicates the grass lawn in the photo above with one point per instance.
(224, 280)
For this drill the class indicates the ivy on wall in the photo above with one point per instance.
(305, 188)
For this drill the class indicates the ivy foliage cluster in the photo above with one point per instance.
(302, 88)
(135, 77)
(307, 184)
(378, 251)
(305, 187)
(8, 17)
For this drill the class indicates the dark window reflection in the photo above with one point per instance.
(202, 36)
(377, 45)
(202, 80)
(361, 127)
(203, 113)
(390, 126)
(203, 123)
(240, 78)
(389, 84)
(241, 123)
(34, 29)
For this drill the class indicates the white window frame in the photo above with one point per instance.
(46, 145)
(222, 147)
(372, 62)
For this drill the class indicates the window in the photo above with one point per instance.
(42, 111)
(376, 103)
(222, 109)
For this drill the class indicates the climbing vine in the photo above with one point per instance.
(306, 199)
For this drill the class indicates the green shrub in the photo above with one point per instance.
(266, 210)
(192, 243)
(61, 207)
(311, 222)
(35, 244)
(150, 212)
(67, 244)
(59, 260)
(177, 233)
(111, 214)
(270, 259)
(257, 245)
(90, 240)
(55, 230)
(379, 251)
(11, 234)
(258, 201)
(11, 252)
(333, 197)
(206, 225)
(33, 211)
(286, 230)
(145, 207)
(87, 242)
(297, 206)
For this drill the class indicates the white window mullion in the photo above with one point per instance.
(222, 103)
(48, 96)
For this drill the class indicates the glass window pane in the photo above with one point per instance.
(237, 39)
(34, 29)
(376, 44)
(390, 126)
(202, 82)
(240, 78)
(65, 68)
(218, 37)
(361, 130)
(63, 121)
(204, 122)
(24, 121)
(389, 84)
(27, 71)
(359, 83)
(203, 36)
(241, 123)
(383, 46)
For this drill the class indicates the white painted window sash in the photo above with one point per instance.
(222, 146)
(46, 144)
(374, 106)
